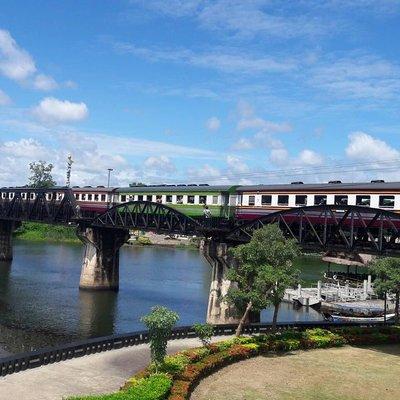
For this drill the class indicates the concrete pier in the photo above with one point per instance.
(6, 230)
(100, 266)
(219, 311)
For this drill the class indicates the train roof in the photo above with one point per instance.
(334, 186)
(92, 189)
(176, 188)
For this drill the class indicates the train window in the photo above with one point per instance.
(145, 197)
(386, 201)
(215, 200)
(319, 200)
(140, 197)
(283, 199)
(301, 200)
(96, 197)
(103, 197)
(341, 200)
(83, 196)
(89, 197)
(123, 198)
(190, 199)
(168, 198)
(266, 200)
(158, 198)
(179, 199)
(252, 200)
(363, 200)
(202, 199)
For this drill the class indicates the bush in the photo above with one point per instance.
(143, 240)
(155, 387)
(159, 322)
(172, 364)
(205, 332)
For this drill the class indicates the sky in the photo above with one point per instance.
(200, 91)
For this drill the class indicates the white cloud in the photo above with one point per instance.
(15, 63)
(243, 144)
(358, 76)
(44, 82)
(279, 156)
(234, 61)
(309, 157)
(243, 18)
(365, 147)
(4, 99)
(213, 124)
(160, 165)
(51, 109)
(236, 165)
(249, 120)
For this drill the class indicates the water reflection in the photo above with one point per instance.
(97, 312)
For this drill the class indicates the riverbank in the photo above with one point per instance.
(38, 232)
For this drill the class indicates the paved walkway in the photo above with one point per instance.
(93, 374)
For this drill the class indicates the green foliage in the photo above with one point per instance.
(155, 387)
(41, 176)
(159, 322)
(264, 270)
(43, 232)
(387, 272)
(172, 364)
(144, 240)
(204, 332)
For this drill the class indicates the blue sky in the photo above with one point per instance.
(215, 91)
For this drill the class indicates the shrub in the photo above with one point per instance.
(155, 387)
(159, 322)
(204, 332)
(144, 240)
(172, 364)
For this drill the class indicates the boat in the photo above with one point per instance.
(341, 318)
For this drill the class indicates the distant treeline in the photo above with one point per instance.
(43, 232)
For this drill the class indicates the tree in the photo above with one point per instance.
(205, 332)
(159, 322)
(387, 272)
(41, 176)
(259, 273)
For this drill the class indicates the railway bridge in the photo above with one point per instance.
(350, 230)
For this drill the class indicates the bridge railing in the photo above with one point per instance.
(22, 361)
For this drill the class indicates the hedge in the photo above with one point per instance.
(180, 373)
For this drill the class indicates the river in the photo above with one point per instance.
(40, 304)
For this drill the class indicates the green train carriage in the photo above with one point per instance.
(188, 199)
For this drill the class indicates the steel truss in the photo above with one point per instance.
(349, 228)
(55, 205)
(145, 215)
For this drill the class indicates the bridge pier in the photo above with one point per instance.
(6, 230)
(100, 266)
(219, 311)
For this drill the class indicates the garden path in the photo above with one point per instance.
(93, 374)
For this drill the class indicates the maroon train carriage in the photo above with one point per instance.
(93, 200)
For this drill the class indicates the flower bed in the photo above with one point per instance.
(176, 378)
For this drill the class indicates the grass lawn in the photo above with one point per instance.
(346, 373)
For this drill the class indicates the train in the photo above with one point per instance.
(242, 202)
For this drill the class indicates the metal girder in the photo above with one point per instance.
(54, 205)
(350, 228)
(145, 215)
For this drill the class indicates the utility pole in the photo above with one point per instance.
(70, 161)
(109, 174)
(108, 186)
